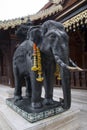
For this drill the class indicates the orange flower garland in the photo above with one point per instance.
(37, 63)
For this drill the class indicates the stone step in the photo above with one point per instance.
(3, 123)
(63, 121)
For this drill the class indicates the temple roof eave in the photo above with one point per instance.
(40, 15)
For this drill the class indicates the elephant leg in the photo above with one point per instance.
(36, 91)
(49, 84)
(28, 87)
(65, 76)
(18, 85)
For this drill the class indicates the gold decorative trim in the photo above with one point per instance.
(76, 19)
(12, 23)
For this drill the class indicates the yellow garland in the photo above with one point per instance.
(57, 73)
(38, 67)
(40, 78)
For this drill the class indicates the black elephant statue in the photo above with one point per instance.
(52, 41)
(22, 30)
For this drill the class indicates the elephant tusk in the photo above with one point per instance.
(78, 68)
(74, 68)
(71, 68)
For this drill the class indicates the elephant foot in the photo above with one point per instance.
(17, 98)
(36, 105)
(28, 95)
(64, 105)
(48, 101)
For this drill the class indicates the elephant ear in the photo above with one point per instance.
(34, 34)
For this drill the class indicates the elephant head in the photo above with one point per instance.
(52, 39)
(21, 31)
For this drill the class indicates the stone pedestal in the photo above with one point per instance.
(65, 121)
(23, 108)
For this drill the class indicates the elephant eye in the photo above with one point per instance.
(52, 36)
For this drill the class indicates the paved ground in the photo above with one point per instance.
(79, 100)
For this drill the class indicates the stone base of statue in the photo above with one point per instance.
(24, 109)
(10, 120)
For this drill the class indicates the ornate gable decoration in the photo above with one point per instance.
(47, 12)
(56, 1)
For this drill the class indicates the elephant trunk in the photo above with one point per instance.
(59, 61)
(61, 46)
(64, 65)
